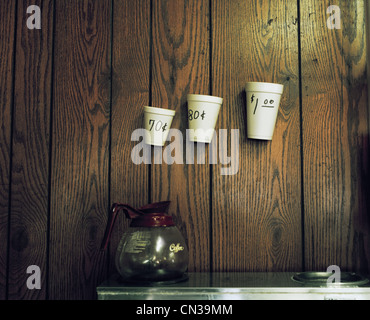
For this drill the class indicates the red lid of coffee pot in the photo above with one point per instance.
(150, 215)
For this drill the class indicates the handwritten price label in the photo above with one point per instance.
(266, 103)
(194, 115)
(157, 125)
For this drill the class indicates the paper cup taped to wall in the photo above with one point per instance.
(157, 123)
(263, 101)
(202, 116)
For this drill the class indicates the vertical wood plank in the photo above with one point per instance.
(335, 137)
(30, 174)
(80, 148)
(180, 66)
(130, 81)
(7, 32)
(256, 212)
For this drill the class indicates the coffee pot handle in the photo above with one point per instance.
(130, 212)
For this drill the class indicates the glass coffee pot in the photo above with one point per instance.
(152, 249)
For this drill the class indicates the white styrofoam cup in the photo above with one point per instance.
(203, 112)
(263, 101)
(157, 122)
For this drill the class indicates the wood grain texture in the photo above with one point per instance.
(80, 148)
(130, 93)
(335, 137)
(256, 213)
(7, 32)
(275, 214)
(30, 169)
(180, 31)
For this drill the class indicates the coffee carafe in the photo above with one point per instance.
(152, 249)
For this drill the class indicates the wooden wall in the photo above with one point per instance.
(73, 92)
